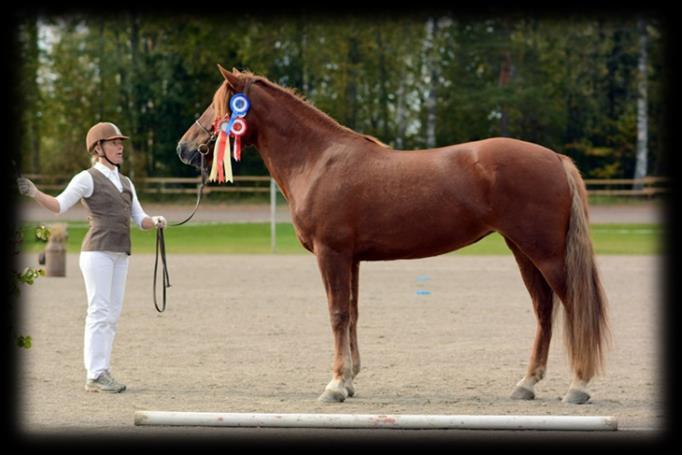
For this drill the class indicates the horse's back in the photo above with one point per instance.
(492, 172)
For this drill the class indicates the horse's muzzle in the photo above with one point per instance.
(189, 155)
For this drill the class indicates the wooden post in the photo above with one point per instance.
(273, 214)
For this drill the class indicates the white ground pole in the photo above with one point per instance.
(464, 422)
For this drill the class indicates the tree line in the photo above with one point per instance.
(588, 87)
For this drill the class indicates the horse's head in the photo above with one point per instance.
(201, 135)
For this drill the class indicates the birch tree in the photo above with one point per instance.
(431, 79)
(642, 118)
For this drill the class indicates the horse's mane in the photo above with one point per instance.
(220, 100)
(221, 95)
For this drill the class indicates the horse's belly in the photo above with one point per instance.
(420, 237)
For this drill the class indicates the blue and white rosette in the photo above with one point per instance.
(239, 105)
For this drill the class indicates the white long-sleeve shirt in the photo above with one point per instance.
(82, 186)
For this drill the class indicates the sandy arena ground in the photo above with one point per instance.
(252, 334)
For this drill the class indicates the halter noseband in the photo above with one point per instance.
(203, 148)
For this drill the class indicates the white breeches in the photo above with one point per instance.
(105, 276)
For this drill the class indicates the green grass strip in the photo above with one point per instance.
(254, 238)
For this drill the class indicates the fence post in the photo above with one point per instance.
(273, 213)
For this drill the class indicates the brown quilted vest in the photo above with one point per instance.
(109, 215)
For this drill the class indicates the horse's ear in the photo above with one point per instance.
(231, 78)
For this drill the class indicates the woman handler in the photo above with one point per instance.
(111, 201)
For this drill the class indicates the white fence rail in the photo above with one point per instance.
(644, 187)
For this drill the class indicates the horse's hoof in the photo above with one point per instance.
(350, 390)
(575, 396)
(332, 396)
(522, 393)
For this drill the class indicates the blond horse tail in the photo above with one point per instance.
(586, 329)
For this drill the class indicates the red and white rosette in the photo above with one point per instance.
(238, 129)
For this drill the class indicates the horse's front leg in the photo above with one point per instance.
(336, 270)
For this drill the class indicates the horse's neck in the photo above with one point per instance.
(291, 144)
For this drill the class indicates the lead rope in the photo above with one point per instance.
(161, 246)
(161, 241)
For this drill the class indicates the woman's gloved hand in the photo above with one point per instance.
(159, 222)
(26, 187)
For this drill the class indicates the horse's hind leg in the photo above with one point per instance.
(543, 304)
(353, 325)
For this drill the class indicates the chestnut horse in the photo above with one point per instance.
(354, 199)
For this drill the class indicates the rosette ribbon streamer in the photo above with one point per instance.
(221, 170)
